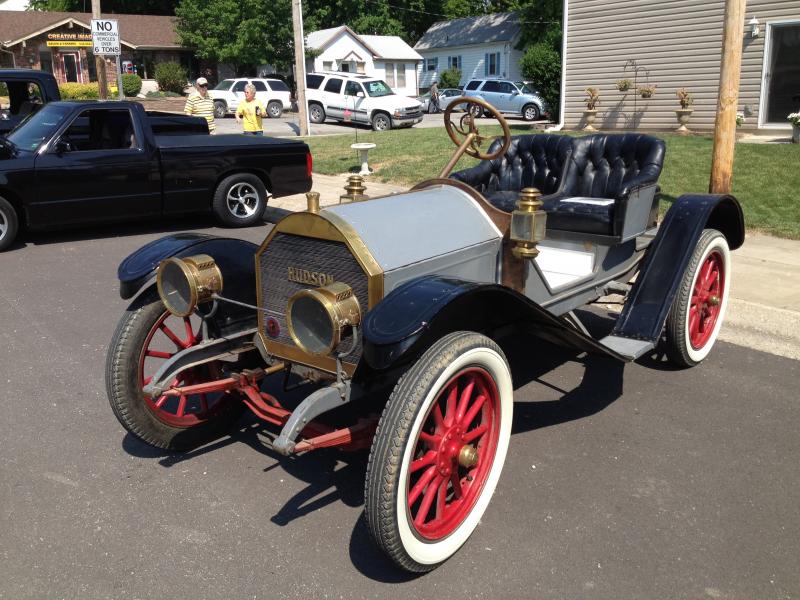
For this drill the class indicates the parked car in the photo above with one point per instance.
(509, 97)
(22, 92)
(392, 314)
(75, 163)
(228, 93)
(446, 96)
(359, 99)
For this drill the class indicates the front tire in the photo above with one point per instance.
(698, 310)
(220, 109)
(274, 109)
(439, 450)
(316, 113)
(146, 336)
(381, 122)
(9, 224)
(240, 200)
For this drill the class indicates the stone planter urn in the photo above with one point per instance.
(796, 134)
(589, 116)
(683, 115)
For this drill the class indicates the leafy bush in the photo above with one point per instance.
(542, 65)
(163, 95)
(131, 84)
(79, 91)
(450, 78)
(171, 77)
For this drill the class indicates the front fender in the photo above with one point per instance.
(419, 312)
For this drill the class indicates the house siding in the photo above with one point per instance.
(472, 62)
(678, 42)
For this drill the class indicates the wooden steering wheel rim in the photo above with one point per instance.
(472, 150)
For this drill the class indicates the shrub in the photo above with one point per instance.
(592, 98)
(79, 91)
(450, 78)
(171, 77)
(542, 65)
(684, 98)
(163, 95)
(131, 84)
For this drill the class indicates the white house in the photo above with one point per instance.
(481, 46)
(384, 56)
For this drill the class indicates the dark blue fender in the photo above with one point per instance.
(668, 256)
(235, 258)
(419, 312)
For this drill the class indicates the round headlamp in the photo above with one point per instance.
(183, 283)
(319, 318)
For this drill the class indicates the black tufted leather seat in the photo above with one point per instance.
(530, 161)
(586, 182)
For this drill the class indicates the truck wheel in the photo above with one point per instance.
(697, 313)
(316, 113)
(439, 450)
(240, 200)
(9, 224)
(381, 122)
(274, 109)
(147, 335)
(530, 112)
(220, 109)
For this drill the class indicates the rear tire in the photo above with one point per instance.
(698, 310)
(220, 109)
(530, 112)
(316, 113)
(381, 122)
(9, 224)
(274, 109)
(240, 200)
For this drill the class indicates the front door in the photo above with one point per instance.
(781, 73)
(71, 67)
(356, 101)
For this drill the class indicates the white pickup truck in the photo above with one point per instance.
(227, 94)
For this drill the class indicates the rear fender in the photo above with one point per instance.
(668, 256)
(412, 317)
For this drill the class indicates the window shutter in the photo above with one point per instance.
(486, 64)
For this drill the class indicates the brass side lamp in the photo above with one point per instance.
(528, 224)
(355, 189)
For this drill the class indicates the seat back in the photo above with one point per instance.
(603, 165)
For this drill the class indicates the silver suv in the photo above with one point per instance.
(507, 96)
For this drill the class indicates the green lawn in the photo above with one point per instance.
(766, 176)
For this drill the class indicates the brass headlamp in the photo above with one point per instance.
(319, 318)
(528, 223)
(183, 283)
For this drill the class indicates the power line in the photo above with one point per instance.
(433, 14)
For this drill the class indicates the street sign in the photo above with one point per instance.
(105, 37)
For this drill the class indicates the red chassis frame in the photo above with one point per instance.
(268, 408)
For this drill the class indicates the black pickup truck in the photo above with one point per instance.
(75, 163)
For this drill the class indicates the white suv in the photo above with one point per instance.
(360, 99)
(274, 93)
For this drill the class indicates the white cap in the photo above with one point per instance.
(201, 81)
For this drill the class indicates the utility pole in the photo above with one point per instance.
(100, 61)
(727, 102)
(300, 65)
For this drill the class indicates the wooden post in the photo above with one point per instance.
(300, 65)
(100, 61)
(728, 99)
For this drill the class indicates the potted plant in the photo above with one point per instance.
(794, 119)
(647, 91)
(685, 111)
(592, 100)
(623, 85)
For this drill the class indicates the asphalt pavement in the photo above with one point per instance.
(621, 482)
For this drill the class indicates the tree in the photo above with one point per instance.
(133, 7)
(242, 33)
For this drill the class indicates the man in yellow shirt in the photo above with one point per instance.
(250, 112)
(200, 104)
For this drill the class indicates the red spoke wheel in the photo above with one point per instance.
(146, 337)
(439, 450)
(696, 315)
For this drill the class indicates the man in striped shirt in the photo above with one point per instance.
(200, 103)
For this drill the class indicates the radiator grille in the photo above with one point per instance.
(320, 256)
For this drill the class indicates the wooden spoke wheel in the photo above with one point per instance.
(467, 127)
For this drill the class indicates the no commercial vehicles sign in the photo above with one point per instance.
(105, 36)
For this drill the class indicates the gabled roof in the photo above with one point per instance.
(485, 29)
(136, 31)
(381, 46)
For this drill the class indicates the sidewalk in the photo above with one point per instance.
(764, 305)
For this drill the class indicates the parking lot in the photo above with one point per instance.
(634, 482)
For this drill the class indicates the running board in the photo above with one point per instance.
(627, 347)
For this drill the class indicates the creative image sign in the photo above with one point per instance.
(64, 38)
(105, 37)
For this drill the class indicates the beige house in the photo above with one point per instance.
(671, 44)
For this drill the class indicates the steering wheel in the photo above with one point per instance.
(465, 134)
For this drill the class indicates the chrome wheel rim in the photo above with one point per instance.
(316, 113)
(242, 200)
(381, 123)
(274, 110)
(3, 225)
(530, 113)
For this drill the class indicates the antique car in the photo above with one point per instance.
(392, 313)
(77, 163)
